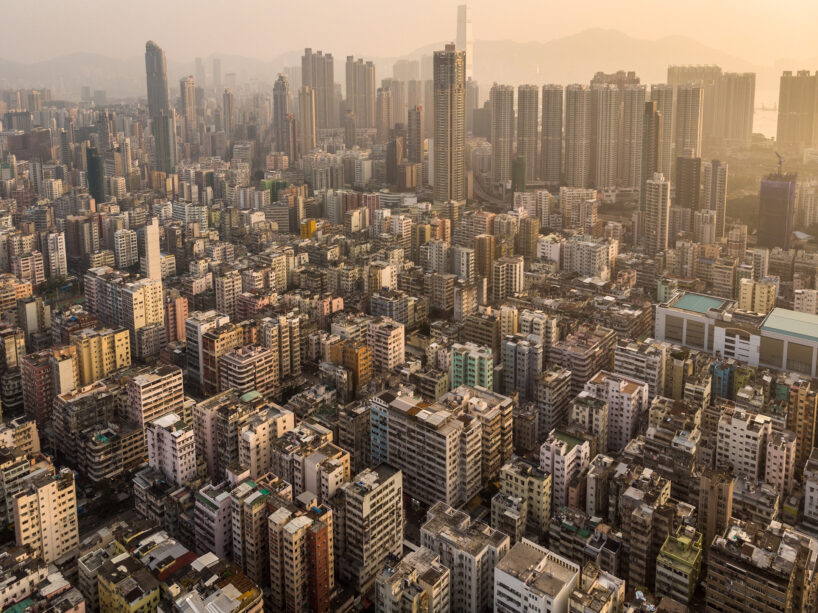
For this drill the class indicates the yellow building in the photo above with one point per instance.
(522, 480)
(100, 352)
(307, 228)
(756, 296)
(126, 586)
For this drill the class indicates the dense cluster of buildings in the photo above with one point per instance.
(326, 348)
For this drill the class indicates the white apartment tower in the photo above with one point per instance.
(578, 136)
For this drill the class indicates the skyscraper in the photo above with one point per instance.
(318, 72)
(663, 96)
(577, 136)
(187, 105)
(657, 213)
(688, 119)
(415, 135)
(776, 210)
(96, 174)
(449, 125)
(156, 69)
(528, 97)
(360, 91)
(281, 107)
(151, 257)
(734, 107)
(797, 110)
(502, 132)
(688, 181)
(604, 135)
(465, 41)
(706, 77)
(551, 162)
(384, 118)
(715, 193)
(163, 121)
(228, 113)
(651, 146)
(630, 145)
(307, 112)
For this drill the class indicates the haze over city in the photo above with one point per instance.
(426, 307)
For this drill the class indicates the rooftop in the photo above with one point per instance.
(698, 303)
(537, 568)
(793, 323)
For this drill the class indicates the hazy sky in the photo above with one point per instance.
(757, 30)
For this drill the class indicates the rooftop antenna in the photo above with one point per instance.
(780, 162)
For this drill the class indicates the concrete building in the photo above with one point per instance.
(741, 442)
(524, 481)
(522, 364)
(249, 368)
(552, 394)
(578, 125)
(471, 364)
(643, 361)
(369, 524)
(532, 578)
(470, 550)
(449, 132)
(172, 448)
(155, 392)
(564, 457)
(757, 296)
(627, 401)
(678, 565)
(584, 353)
(439, 450)
(551, 146)
(100, 351)
(385, 338)
(45, 514)
(751, 566)
(213, 520)
(415, 582)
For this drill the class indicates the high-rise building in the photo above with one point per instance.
(734, 108)
(384, 115)
(551, 148)
(470, 550)
(465, 40)
(776, 210)
(416, 582)
(501, 98)
(528, 107)
(100, 352)
(578, 131)
(95, 162)
(605, 110)
(151, 258)
(307, 119)
(802, 418)
(157, 78)
(187, 105)
(662, 95)
(507, 277)
(759, 567)
(797, 110)
(172, 448)
(472, 365)
(360, 91)
(449, 125)
(522, 364)
(228, 113)
(318, 73)
(45, 515)
(369, 522)
(154, 393)
(689, 115)
(162, 117)
(281, 108)
(657, 212)
(631, 140)
(688, 181)
(715, 194)
(414, 141)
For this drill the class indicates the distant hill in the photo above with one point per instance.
(569, 59)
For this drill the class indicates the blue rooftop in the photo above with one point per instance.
(698, 303)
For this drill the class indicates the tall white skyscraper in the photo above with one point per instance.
(528, 97)
(577, 136)
(449, 151)
(663, 96)
(151, 262)
(630, 146)
(551, 154)
(657, 214)
(715, 193)
(465, 42)
(604, 134)
(688, 120)
(502, 132)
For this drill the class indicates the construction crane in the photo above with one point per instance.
(780, 162)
